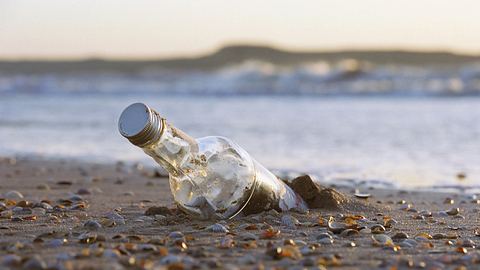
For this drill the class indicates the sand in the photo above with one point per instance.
(94, 217)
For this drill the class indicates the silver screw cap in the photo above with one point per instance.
(140, 124)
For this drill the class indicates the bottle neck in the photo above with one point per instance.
(173, 149)
(169, 146)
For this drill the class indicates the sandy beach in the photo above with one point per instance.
(67, 214)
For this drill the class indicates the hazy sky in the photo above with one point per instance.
(141, 28)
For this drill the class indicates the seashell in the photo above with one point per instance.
(270, 233)
(453, 211)
(466, 243)
(349, 232)
(11, 260)
(448, 201)
(279, 253)
(92, 225)
(423, 237)
(438, 236)
(55, 243)
(226, 243)
(382, 240)
(336, 227)
(362, 195)
(289, 221)
(35, 262)
(377, 229)
(217, 228)
(176, 235)
(325, 241)
(171, 259)
(248, 236)
(87, 238)
(13, 195)
(400, 235)
(408, 243)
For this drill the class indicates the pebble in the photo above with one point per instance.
(171, 259)
(400, 235)
(13, 195)
(158, 210)
(349, 232)
(248, 236)
(382, 240)
(289, 221)
(453, 211)
(35, 263)
(83, 191)
(11, 260)
(409, 243)
(43, 187)
(324, 235)
(92, 225)
(325, 241)
(55, 243)
(247, 259)
(176, 235)
(116, 218)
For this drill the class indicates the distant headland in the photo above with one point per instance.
(234, 54)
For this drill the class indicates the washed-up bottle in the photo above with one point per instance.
(210, 177)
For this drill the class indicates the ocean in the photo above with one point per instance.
(401, 125)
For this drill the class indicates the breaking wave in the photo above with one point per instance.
(344, 78)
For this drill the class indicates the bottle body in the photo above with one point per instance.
(213, 177)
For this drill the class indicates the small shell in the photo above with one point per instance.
(400, 235)
(362, 195)
(453, 211)
(382, 240)
(289, 221)
(377, 229)
(226, 242)
(217, 228)
(270, 233)
(248, 236)
(349, 232)
(176, 235)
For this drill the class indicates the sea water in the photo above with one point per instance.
(403, 134)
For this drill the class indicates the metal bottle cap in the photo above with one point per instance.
(140, 124)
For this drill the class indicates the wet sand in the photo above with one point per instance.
(72, 215)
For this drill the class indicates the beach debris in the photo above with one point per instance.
(382, 240)
(217, 228)
(454, 211)
(461, 176)
(35, 263)
(43, 187)
(158, 210)
(377, 229)
(448, 200)
(400, 235)
(288, 251)
(289, 221)
(361, 195)
(13, 195)
(315, 195)
(11, 260)
(270, 233)
(92, 225)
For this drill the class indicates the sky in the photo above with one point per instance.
(166, 28)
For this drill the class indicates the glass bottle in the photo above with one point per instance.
(210, 177)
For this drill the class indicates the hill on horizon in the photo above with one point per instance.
(235, 54)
